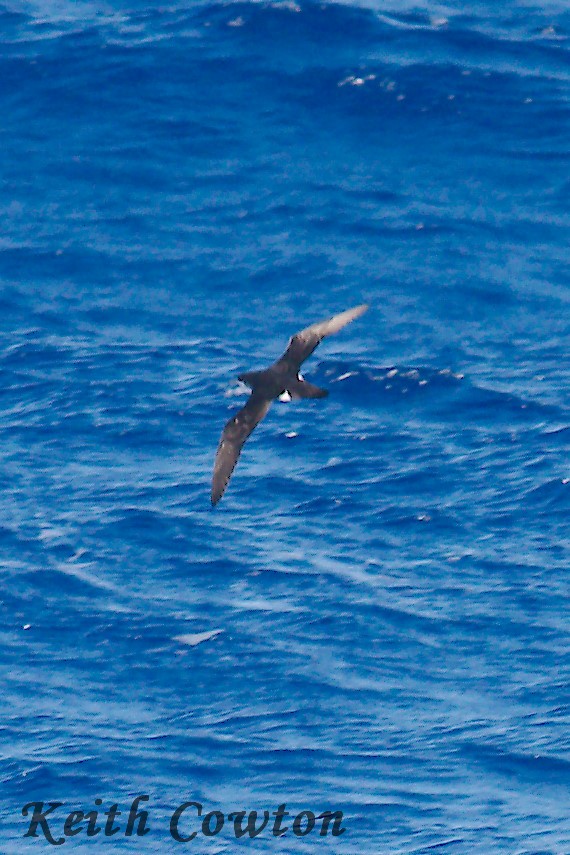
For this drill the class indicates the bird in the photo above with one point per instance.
(281, 380)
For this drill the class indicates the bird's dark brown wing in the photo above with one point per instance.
(233, 437)
(303, 343)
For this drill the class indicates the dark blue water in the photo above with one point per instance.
(375, 619)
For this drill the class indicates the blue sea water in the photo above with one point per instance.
(375, 619)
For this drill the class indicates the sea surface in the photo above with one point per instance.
(375, 619)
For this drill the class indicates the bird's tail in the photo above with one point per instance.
(302, 389)
(249, 378)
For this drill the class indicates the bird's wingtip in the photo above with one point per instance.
(337, 322)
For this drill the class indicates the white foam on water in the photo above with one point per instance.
(194, 639)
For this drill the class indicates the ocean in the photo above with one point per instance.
(373, 624)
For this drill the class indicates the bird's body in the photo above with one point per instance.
(280, 380)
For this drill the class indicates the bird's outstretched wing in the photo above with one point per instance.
(233, 437)
(302, 344)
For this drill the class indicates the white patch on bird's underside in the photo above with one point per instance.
(285, 396)
(300, 376)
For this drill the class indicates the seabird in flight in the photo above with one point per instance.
(281, 380)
